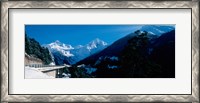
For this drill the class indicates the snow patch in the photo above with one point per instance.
(66, 75)
(52, 63)
(112, 67)
(114, 58)
(82, 65)
(32, 73)
(90, 70)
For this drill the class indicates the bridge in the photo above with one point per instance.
(51, 70)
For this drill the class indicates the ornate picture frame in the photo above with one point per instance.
(7, 97)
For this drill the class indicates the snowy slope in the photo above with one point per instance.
(61, 47)
(31, 73)
(60, 52)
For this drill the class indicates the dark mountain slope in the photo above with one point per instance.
(134, 59)
(114, 49)
(164, 53)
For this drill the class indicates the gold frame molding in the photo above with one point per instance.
(6, 97)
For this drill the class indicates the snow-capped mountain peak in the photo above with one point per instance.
(96, 43)
(58, 42)
(61, 48)
(58, 45)
(157, 30)
(64, 52)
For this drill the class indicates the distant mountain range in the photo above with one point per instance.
(66, 54)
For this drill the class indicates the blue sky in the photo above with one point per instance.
(78, 34)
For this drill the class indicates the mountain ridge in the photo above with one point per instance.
(140, 57)
(115, 48)
(65, 53)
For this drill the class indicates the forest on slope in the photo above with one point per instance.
(34, 49)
